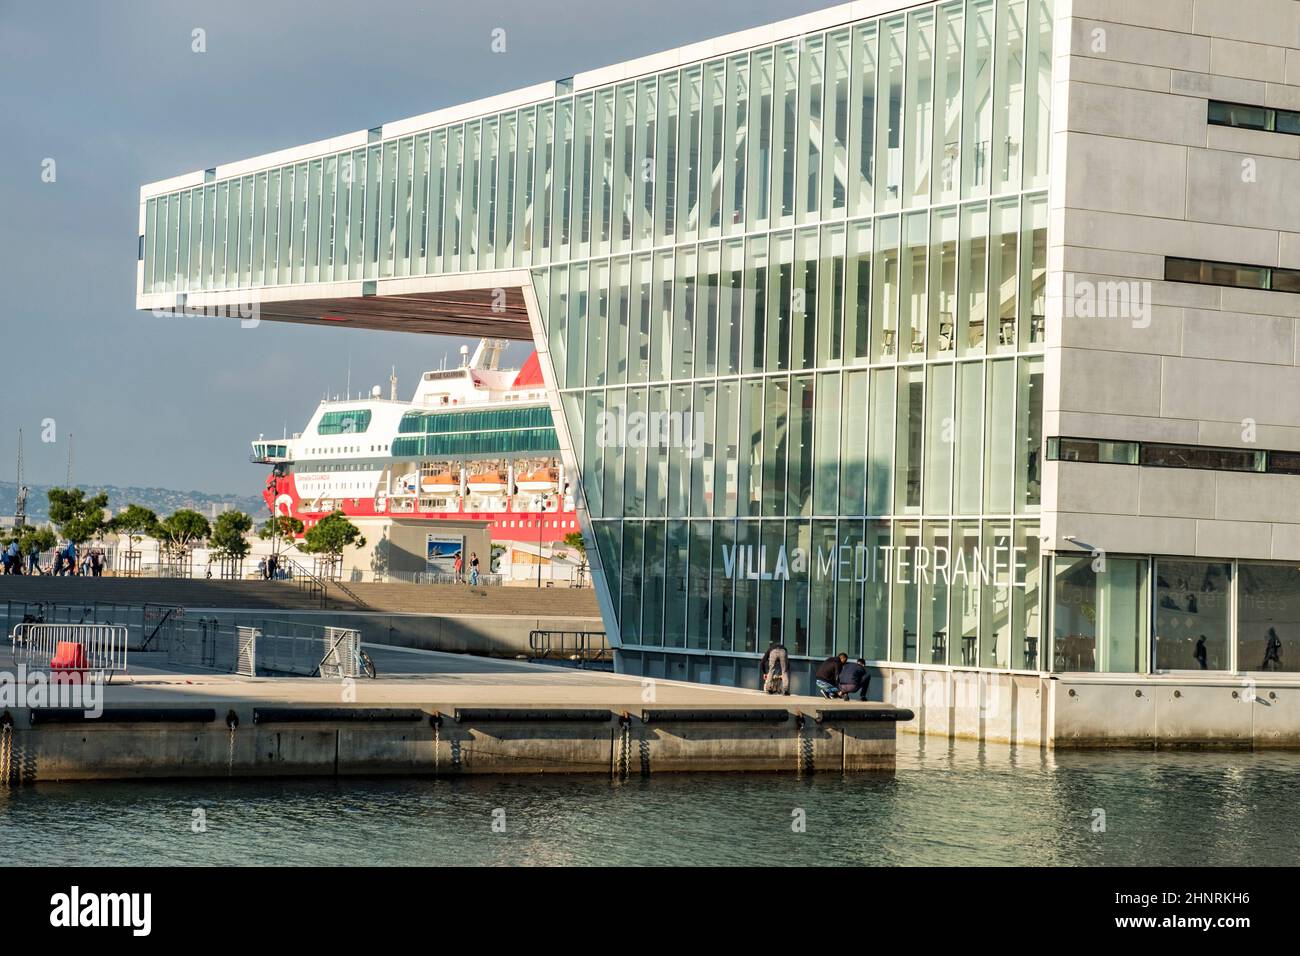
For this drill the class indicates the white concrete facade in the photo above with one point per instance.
(1137, 175)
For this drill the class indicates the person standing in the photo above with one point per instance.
(473, 569)
(458, 567)
(774, 669)
(261, 568)
(33, 559)
(11, 556)
(1200, 654)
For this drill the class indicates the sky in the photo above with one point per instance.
(113, 93)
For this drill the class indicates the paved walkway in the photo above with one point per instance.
(434, 680)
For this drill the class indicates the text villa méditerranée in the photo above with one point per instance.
(996, 565)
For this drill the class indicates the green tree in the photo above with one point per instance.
(229, 538)
(182, 531)
(280, 530)
(136, 522)
(574, 540)
(331, 535)
(43, 538)
(77, 517)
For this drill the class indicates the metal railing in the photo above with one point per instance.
(103, 647)
(252, 646)
(315, 585)
(580, 647)
(142, 621)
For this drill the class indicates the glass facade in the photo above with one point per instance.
(807, 281)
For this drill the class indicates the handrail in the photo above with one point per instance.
(585, 646)
(312, 583)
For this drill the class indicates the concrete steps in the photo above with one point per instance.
(286, 595)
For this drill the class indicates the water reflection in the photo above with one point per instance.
(949, 803)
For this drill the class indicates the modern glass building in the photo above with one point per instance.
(873, 330)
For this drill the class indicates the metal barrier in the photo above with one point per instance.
(143, 622)
(343, 658)
(257, 646)
(246, 650)
(235, 643)
(103, 646)
(582, 647)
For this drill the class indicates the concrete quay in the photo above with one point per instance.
(432, 713)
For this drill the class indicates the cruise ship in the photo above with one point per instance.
(475, 442)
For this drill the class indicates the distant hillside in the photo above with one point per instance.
(162, 500)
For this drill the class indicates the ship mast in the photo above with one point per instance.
(20, 508)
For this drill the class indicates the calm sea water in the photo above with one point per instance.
(947, 804)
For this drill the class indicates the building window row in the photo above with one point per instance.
(1155, 615)
(1236, 275)
(943, 103)
(951, 281)
(959, 593)
(1165, 455)
(944, 439)
(1244, 116)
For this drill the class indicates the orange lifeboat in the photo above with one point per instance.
(541, 481)
(443, 483)
(487, 483)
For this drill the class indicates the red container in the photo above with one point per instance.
(69, 656)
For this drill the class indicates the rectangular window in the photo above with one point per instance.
(808, 157)
(1241, 116)
(1092, 450)
(947, 102)
(707, 300)
(1190, 456)
(889, 114)
(1268, 605)
(939, 443)
(735, 145)
(1226, 274)
(665, 170)
(862, 126)
(919, 107)
(999, 435)
(978, 103)
(1099, 615)
(1009, 75)
(910, 432)
(1193, 604)
(835, 123)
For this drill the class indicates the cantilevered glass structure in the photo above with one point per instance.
(791, 304)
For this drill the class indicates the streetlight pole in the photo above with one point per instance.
(541, 510)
